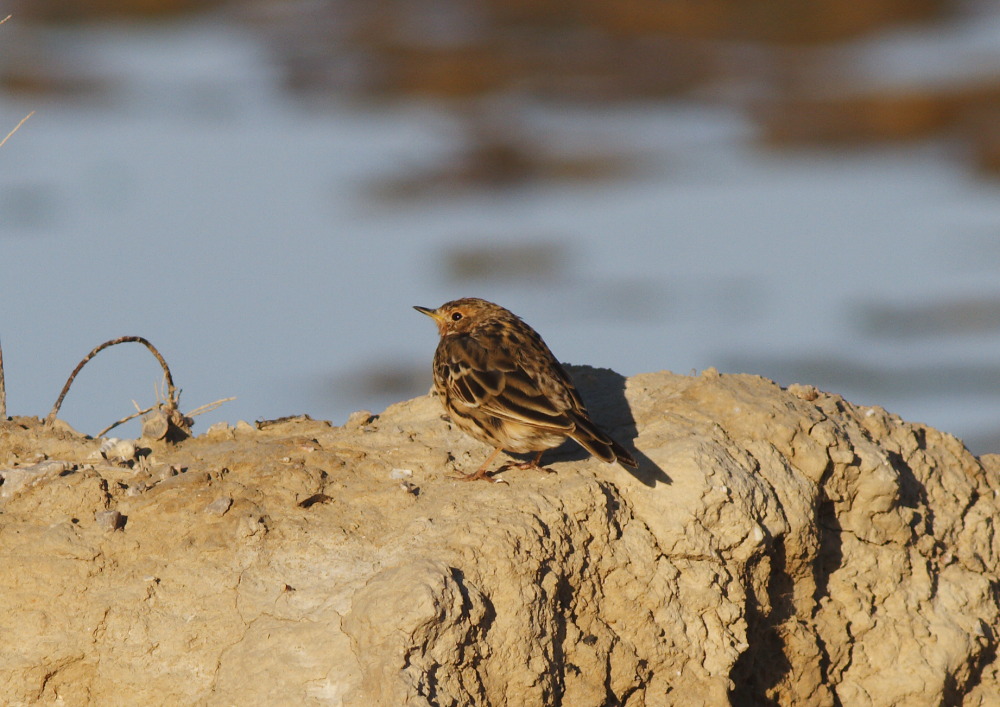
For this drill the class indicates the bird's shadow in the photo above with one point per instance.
(603, 392)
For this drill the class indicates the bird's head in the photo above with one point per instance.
(463, 315)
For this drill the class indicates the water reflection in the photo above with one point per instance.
(265, 190)
(953, 317)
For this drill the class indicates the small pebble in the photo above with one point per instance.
(110, 521)
(106, 445)
(119, 451)
(164, 472)
(220, 430)
(410, 487)
(314, 499)
(359, 418)
(803, 392)
(219, 506)
(396, 474)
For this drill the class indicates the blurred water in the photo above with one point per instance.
(186, 198)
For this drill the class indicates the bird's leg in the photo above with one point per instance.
(534, 463)
(481, 473)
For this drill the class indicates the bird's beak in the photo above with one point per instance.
(429, 312)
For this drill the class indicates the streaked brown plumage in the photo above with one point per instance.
(501, 384)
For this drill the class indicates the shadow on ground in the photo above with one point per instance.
(603, 392)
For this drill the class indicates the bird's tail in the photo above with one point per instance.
(597, 442)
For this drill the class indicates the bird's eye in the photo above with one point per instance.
(456, 316)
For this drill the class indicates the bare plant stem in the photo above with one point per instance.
(171, 391)
(203, 409)
(3, 390)
(124, 420)
(208, 408)
(16, 127)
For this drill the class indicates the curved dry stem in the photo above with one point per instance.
(171, 391)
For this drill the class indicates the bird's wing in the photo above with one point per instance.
(489, 377)
(533, 355)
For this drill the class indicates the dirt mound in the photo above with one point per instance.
(773, 545)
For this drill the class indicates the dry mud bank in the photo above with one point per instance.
(774, 544)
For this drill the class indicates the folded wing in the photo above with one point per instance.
(488, 378)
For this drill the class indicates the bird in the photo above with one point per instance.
(500, 384)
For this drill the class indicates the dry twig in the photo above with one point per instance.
(16, 127)
(197, 411)
(209, 407)
(3, 386)
(171, 402)
(126, 419)
(3, 390)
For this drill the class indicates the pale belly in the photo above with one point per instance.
(511, 436)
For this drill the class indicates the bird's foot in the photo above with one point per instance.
(479, 475)
(533, 464)
(530, 465)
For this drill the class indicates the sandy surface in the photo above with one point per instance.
(773, 545)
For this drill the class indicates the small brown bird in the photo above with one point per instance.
(501, 384)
